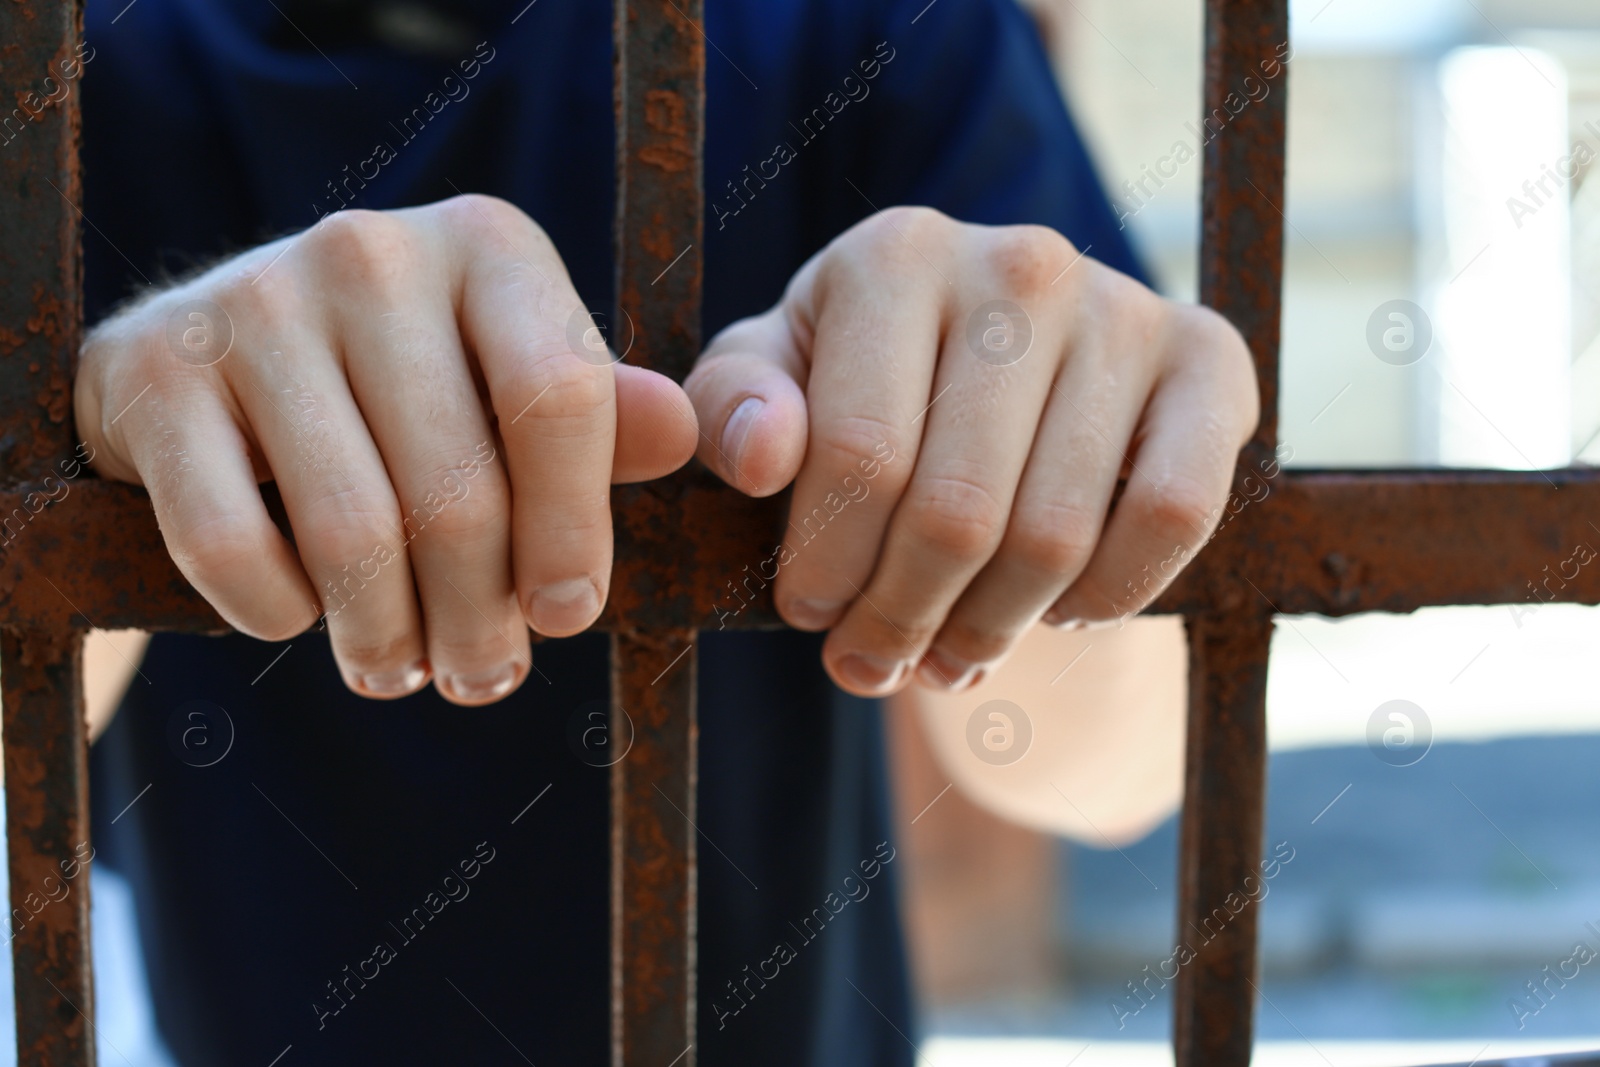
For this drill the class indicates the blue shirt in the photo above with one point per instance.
(366, 881)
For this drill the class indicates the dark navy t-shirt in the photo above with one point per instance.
(303, 882)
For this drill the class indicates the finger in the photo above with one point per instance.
(876, 339)
(410, 376)
(1180, 475)
(950, 520)
(556, 412)
(342, 509)
(656, 426)
(1055, 520)
(748, 393)
(188, 452)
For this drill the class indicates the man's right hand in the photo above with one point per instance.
(442, 423)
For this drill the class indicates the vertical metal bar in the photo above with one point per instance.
(1223, 807)
(47, 799)
(47, 828)
(653, 855)
(40, 306)
(1241, 272)
(658, 588)
(1242, 199)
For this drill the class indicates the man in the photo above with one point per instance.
(959, 384)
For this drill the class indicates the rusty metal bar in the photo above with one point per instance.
(46, 749)
(1242, 192)
(40, 304)
(47, 826)
(1224, 806)
(1241, 276)
(1339, 543)
(1334, 543)
(660, 106)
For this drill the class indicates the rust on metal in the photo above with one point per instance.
(76, 551)
(72, 545)
(656, 583)
(40, 301)
(45, 738)
(1241, 276)
(1241, 251)
(1343, 542)
(1220, 838)
(47, 827)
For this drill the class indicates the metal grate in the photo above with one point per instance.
(1326, 542)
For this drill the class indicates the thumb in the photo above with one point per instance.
(747, 390)
(656, 428)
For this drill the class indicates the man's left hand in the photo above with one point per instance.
(955, 404)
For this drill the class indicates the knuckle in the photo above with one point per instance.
(1027, 259)
(350, 528)
(457, 654)
(1212, 336)
(360, 649)
(218, 545)
(1054, 539)
(974, 645)
(370, 248)
(1175, 506)
(846, 442)
(563, 391)
(262, 299)
(898, 238)
(477, 516)
(489, 216)
(957, 517)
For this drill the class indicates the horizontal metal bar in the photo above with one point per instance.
(1339, 543)
(95, 557)
(1322, 542)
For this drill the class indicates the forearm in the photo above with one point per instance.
(1106, 712)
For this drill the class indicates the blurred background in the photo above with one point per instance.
(1433, 775)
(1442, 308)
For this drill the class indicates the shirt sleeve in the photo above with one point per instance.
(973, 122)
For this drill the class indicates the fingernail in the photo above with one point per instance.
(738, 427)
(866, 671)
(563, 607)
(394, 683)
(483, 686)
(1062, 620)
(813, 614)
(946, 672)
